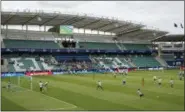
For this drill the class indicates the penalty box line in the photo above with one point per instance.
(74, 106)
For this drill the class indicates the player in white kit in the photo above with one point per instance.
(171, 83)
(159, 81)
(41, 86)
(140, 93)
(99, 85)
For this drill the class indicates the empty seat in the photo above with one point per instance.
(10, 43)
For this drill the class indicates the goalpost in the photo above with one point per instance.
(17, 82)
(24, 80)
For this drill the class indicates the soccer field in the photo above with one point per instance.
(78, 92)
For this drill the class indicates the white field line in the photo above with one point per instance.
(61, 108)
(21, 91)
(74, 106)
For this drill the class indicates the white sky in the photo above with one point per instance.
(157, 14)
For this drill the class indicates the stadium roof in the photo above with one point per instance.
(171, 38)
(53, 19)
(142, 34)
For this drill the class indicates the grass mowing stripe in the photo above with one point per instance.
(81, 91)
(6, 103)
(118, 88)
(113, 82)
(53, 85)
(148, 80)
(43, 101)
(112, 96)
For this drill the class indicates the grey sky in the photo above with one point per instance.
(157, 14)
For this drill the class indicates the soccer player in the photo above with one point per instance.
(180, 75)
(124, 82)
(46, 85)
(114, 75)
(126, 73)
(99, 85)
(159, 81)
(155, 78)
(183, 73)
(9, 86)
(171, 83)
(41, 86)
(140, 93)
(143, 82)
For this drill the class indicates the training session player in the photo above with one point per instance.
(143, 82)
(41, 86)
(140, 93)
(159, 81)
(171, 83)
(154, 78)
(46, 85)
(9, 86)
(124, 82)
(99, 85)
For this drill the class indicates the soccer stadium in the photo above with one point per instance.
(122, 66)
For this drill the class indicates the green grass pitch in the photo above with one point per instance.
(71, 92)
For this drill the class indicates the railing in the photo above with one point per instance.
(86, 51)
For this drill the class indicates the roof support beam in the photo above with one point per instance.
(123, 28)
(140, 34)
(118, 27)
(104, 25)
(144, 34)
(158, 38)
(122, 33)
(77, 21)
(9, 19)
(68, 20)
(90, 23)
(49, 20)
(30, 19)
(131, 31)
(128, 29)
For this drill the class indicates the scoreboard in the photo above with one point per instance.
(66, 30)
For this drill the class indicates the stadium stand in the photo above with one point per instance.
(96, 45)
(127, 37)
(39, 44)
(136, 47)
(28, 63)
(145, 61)
(93, 37)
